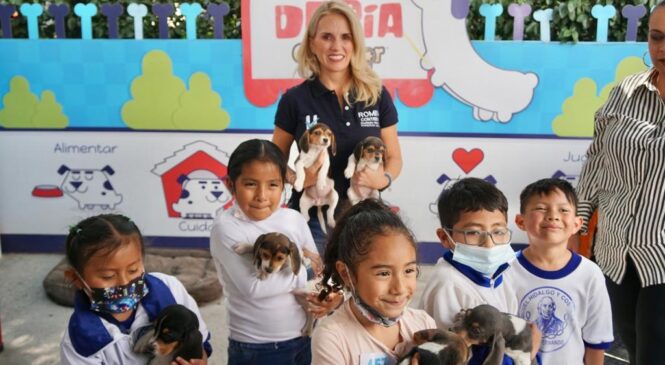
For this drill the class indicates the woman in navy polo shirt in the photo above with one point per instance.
(342, 91)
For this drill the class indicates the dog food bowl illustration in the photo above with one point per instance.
(47, 191)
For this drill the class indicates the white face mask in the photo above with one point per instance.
(482, 259)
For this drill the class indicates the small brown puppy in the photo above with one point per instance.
(175, 334)
(436, 347)
(272, 252)
(369, 153)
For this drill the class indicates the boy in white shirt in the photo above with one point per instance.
(563, 293)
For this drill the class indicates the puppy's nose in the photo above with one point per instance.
(269, 270)
(377, 158)
(325, 140)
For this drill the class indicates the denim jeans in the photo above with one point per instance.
(320, 238)
(297, 351)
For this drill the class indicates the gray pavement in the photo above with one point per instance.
(32, 324)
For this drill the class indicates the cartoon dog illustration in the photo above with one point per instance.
(493, 93)
(203, 194)
(90, 187)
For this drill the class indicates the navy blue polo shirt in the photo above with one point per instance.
(312, 102)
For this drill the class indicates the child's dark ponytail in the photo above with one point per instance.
(352, 238)
(98, 234)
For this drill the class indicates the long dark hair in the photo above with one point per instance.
(100, 234)
(352, 238)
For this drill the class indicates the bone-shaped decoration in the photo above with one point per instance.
(85, 12)
(633, 13)
(602, 15)
(163, 11)
(31, 12)
(460, 8)
(112, 12)
(59, 12)
(519, 12)
(490, 12)
(138, 12)
(6, 12)
(218, 11)
(191, 12)
(544, 18)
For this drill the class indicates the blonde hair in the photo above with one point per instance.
(365, 83)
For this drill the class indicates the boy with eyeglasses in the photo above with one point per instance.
(563, 293)
(474, 228)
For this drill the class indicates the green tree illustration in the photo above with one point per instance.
(200, 107)
(48, 113)
(19, 104)
(155, 94)
(578, 110)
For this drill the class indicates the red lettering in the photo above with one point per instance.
(390, 20)
(369, 20)
(288, 21)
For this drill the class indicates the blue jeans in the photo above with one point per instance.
(320, 238)
(297, 351)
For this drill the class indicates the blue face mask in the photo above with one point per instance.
(367, 311)
(482, 259)
(118, 299)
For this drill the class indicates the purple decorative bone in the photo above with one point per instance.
(633, 13)
(163, 11)
(6, 12)
(460, 8)
(112, 12)
(519, 13)
(218, 11)
(59, 12)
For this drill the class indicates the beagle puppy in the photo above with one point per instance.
(272, 252)
(506, 333)
(369, 153)
(436, 347)
(175, 332)
(319, 139)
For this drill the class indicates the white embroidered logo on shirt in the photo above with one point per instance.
(310, 120)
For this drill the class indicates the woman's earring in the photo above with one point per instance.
(644, 61)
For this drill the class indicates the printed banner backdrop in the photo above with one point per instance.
(94, 126)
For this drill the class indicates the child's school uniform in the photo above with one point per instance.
(94, 338)
(259, 311)
(341, 339)
(570, 306)
(453, 286)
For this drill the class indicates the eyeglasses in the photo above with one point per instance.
(499, 236)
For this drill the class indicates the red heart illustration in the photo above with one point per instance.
(468, 160)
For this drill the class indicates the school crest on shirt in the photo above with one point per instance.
(551, 309)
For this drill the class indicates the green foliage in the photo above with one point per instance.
(126, 22)
(572, 20)
(577, 111)
(22, 108)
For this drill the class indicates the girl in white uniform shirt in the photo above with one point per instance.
(265, 321)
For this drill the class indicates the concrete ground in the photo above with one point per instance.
(32, 324)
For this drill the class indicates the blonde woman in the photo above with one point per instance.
(342, 91)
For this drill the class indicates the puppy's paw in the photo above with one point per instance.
(348, 172)
(243, 248)
(298, 184)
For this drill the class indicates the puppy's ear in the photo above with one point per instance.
(304, 142)
(333, 144)
(358, 151)
(258, 244)
(385, 152)
(294, 255)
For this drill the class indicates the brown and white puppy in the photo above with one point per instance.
(175, 333)
(437, 347)
(506, 333)
(315, 141)
(272, 252)
(369, 153)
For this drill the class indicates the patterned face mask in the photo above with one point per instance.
(118, 299)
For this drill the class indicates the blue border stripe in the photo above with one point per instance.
(269, 131)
